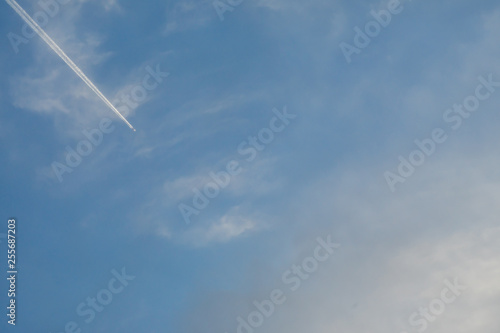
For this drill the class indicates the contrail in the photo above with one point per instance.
(63, 56)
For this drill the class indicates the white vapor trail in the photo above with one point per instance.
(63, 56)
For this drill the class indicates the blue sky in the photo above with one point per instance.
(322, 175)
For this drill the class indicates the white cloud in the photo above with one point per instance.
(228, 227)
(187, 15)
(234, 224)
(181, 188)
